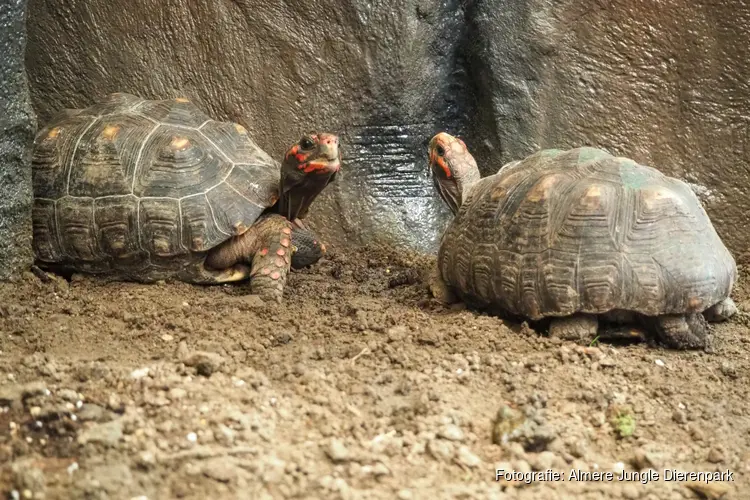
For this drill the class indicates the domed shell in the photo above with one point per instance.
(583, 231)
(131, 179)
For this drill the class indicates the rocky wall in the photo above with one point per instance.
(17, 128)
(663, 82)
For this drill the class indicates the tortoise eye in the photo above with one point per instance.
(440, 150)
(306, 142)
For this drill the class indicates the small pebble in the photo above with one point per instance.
(336, 451)
(679, 416)
(177, 393)
(716, 455)
(618, 468)
(451, 433)
(659, 362)
(631, 492)
(139, 373)
(467, 458)
(192, 437)
(440, 450)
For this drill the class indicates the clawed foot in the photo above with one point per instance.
(300, 224)
(439, 289)
(721, 311)
(576, 328)
(682, 332)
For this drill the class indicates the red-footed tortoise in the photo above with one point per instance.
(584, 238)
(147, 190)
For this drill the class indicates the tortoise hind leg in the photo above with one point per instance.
(721, 311)
(575, 328)
(205, 276)
(681, 331)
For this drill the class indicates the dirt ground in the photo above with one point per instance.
(358, 386)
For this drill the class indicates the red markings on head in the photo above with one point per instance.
(264, 251)
(318, 167)
(275, 275)
(280, 251)
(442, 164)
(292, 151)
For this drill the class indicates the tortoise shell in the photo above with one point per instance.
(141, 185)
(583, 231)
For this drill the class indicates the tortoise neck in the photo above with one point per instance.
(466, 179)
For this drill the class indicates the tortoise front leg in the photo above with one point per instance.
(721, 311)
(272, 262)
(267, 246)
(440, 289)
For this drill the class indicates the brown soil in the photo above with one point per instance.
(358, 386)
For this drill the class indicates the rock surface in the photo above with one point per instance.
(17, 128)
(665, 83)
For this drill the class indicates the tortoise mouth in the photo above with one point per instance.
(328, 161)
(322, 165)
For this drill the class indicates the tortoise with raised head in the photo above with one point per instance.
(584, 238)
(147, 190)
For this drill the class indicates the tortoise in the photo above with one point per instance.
(148, 190)
(587, 241)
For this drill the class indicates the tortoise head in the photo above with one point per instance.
(453, 168)
(308, 166)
